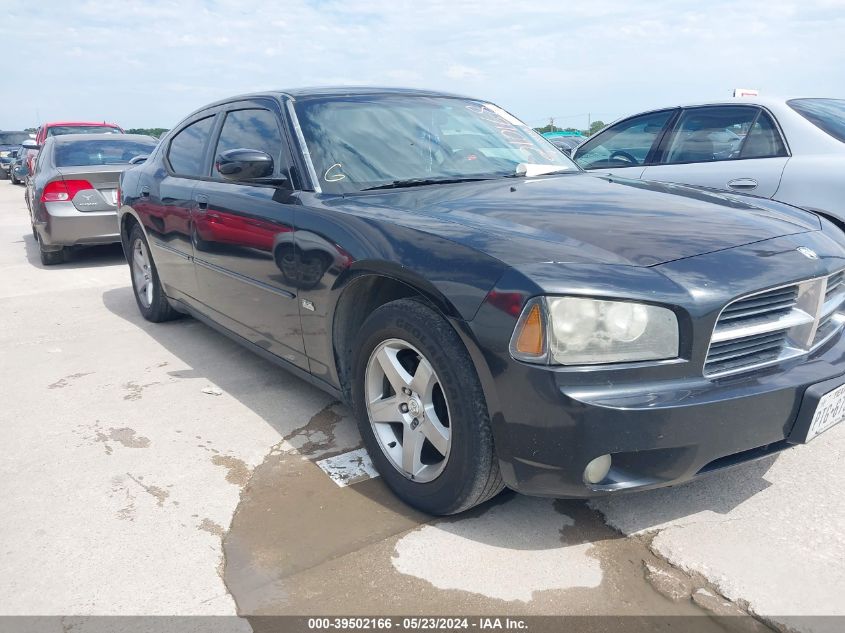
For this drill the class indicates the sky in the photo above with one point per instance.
(151, 63)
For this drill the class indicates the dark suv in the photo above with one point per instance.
(495, 316)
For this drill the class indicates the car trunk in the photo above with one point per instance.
(104, 179)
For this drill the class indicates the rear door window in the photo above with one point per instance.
(763, 141)
(626, 144)
(251, 129)
(719, 133)
(186, 154)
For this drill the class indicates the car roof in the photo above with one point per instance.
(328, 91)
(765, 102)
(79, 123)
(46, 126)
(120, 138)
(325, 91)
(758, 101)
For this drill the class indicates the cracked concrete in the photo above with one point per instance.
(767, 536)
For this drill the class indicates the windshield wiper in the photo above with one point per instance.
(419, 182)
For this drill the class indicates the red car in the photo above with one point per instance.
(68, 127)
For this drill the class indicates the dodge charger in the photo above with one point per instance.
(494, 316)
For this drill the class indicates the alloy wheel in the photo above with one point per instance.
(142, 273)
(408, 410)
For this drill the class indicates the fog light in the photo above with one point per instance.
(597, 470)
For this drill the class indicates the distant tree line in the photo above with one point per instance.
(149, 131)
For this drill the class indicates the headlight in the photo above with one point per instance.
(581, 331)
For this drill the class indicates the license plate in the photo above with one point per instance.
(829, 412)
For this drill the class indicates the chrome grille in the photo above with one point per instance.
(834, 284)
(762, 306)
(773, 325)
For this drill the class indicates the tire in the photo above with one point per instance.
(50, 258)
(446, 481)
(149, 295)
(12, 178)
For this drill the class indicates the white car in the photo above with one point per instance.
(790, 150)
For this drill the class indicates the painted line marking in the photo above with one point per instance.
(349, 468)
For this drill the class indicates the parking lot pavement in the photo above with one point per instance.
(161, 469)
(769, 535)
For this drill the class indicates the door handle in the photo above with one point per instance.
(202, 202)
(145, 192)
(743, 184)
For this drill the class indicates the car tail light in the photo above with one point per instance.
(118, 197)
(61, 190)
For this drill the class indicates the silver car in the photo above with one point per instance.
(790, 150)
(72, 194)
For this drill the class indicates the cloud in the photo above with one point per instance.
(459, 71)
(130, 61)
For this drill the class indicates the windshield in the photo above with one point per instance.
(59, 130)
(13, 138)
(105, 152)
(362, 142)
(826, 114)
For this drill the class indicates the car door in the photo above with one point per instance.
(733, 147)
(166, 205)
(625, 148)
(243, 237)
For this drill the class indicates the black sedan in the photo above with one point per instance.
(495, 316)
(9, 143)
(17, 168)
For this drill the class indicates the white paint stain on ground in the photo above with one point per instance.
(520, 542)
(349, 468)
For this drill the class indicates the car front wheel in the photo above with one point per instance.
(421, 410)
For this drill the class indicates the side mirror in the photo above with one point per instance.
(137, 160)
(240, 165)
(30, 144)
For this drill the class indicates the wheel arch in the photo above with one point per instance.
(128, 219)
(362, 291)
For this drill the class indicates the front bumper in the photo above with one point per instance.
(63, 225)
(663, 423)
(658, 434)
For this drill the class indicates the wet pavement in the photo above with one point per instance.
(161, 469)
(300, 544)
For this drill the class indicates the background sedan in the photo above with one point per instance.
(565, 144)
(17, 168)
(72, 193)
(9, 142)
(791, 150)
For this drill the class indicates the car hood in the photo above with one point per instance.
(580, 218)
